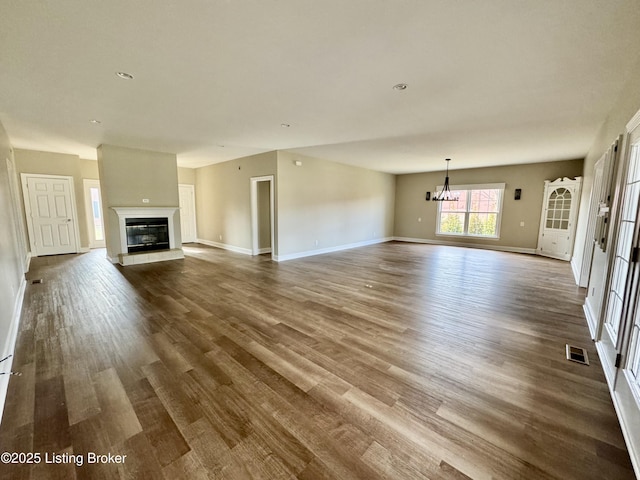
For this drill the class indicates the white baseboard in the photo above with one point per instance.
(624, 405)
(10, 345)
(27, 262)
(264, 250)
(224, 246)
(592, 321)
(530, 251)
(575, 268)
(84, 250)
(320, 251)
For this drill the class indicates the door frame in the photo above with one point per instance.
(87, 183)
(630, 301)
(624, 400)
(195, 216)
(28, 212)
(255, 246)
(14, 189)
(618, 344)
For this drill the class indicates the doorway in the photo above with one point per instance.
(187, 198)
(262, 215)
(52, 223)
(93, 207)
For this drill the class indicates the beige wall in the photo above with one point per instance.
(48, 163)
(12, 253)
(223, 198)
(127, 176)
(331, 203)
(186, 176)
(411, 204)
(89, 169)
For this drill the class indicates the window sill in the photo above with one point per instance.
(462, 235)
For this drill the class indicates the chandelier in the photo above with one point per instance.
(445, 194)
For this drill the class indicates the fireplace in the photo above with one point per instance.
(147, 234)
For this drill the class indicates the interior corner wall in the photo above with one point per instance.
(12, 258)
(49, 163)
(415, 217)
(186, 176)
(325, 206)
(223, 199)
(129, 175)
(89, 169)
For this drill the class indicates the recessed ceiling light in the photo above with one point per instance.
(285, 125)
(95, 122)
(125, 75)
(400, 86)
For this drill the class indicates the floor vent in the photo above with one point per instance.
(577, 354)
(38, 280)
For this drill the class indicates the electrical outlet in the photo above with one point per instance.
(522, 224)
(419, 219)
(220, 237)
(316, 243)
(145, 200)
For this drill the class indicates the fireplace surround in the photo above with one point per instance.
(147, 234)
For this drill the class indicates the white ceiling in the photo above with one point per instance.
(489, 82)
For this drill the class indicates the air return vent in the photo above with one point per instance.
(38, 280)
(577, 354)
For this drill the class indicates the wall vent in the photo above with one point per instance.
(37, 280)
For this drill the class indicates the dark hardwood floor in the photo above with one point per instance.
(395, 361)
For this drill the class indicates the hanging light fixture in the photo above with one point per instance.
(445, 194)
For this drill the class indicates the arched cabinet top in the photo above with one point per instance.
(563, 181)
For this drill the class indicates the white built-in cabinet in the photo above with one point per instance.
(559, 214)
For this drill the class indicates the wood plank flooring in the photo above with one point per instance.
(395, 361)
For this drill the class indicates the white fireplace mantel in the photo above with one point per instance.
(126, 258)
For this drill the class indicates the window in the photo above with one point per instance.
(558, 209)
(476, 213)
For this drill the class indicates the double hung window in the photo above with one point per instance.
(476, 213)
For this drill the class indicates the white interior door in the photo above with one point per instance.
(51, 218)
(93, 207)
(187, 213)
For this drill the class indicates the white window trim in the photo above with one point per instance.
(481, 186)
